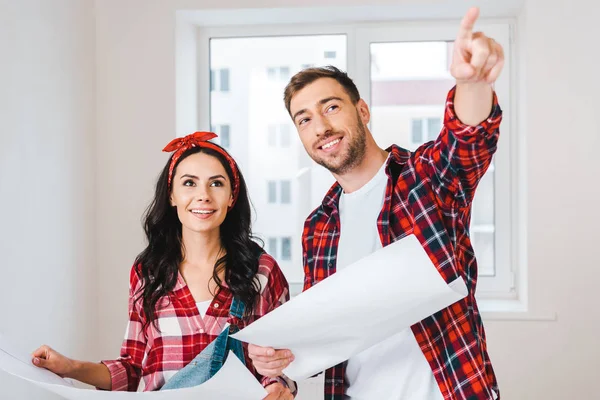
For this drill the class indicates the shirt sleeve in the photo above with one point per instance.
(126, 371)
(274, 292)
(457, 160)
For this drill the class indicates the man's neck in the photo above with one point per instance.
(353, 180)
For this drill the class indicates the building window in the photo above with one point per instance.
(272, 191)
(224, 134)
(417, 130)
(273, 247)
(281, 73)
(425, 129)
(286, 192)
(286, 248)
(329, 55)
(225, 137)
(219, 80)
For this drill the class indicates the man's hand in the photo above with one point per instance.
(477, 58)
(268, 361)
(278, 392)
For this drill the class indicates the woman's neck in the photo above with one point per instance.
(201, 249)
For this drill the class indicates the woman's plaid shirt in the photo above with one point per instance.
(429, 194)
(150, 357)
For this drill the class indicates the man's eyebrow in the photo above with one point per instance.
(321, 102)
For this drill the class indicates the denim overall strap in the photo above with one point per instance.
(225, 342)
(212, 358)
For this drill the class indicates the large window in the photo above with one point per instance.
(402, 71)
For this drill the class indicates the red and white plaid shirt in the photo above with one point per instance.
(431, 198)
(150, 357)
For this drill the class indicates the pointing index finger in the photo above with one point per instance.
(465, 32)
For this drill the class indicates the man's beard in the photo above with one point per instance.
(353, 157)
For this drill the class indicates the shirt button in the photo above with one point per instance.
(216, 305)
(200, 330)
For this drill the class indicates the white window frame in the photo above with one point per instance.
(505, 291)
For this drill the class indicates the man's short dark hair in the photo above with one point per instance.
(309, 75)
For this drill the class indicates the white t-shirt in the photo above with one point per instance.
(396, 368)
(203, 307)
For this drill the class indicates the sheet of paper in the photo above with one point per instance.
(18, 362)
(232, 382)
(356, 308)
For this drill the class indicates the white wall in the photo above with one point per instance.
(558, 360)
(47, 128)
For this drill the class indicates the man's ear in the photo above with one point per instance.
(363, 111)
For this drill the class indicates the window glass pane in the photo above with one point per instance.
(483, 244)
(409, 84)
(482, 224)
(434, 126)
(253, 105)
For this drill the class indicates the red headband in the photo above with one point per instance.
(201, 139)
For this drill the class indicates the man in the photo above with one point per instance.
(384, 195)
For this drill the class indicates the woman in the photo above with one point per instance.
(200, 271)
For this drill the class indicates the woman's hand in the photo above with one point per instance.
(46, 357)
